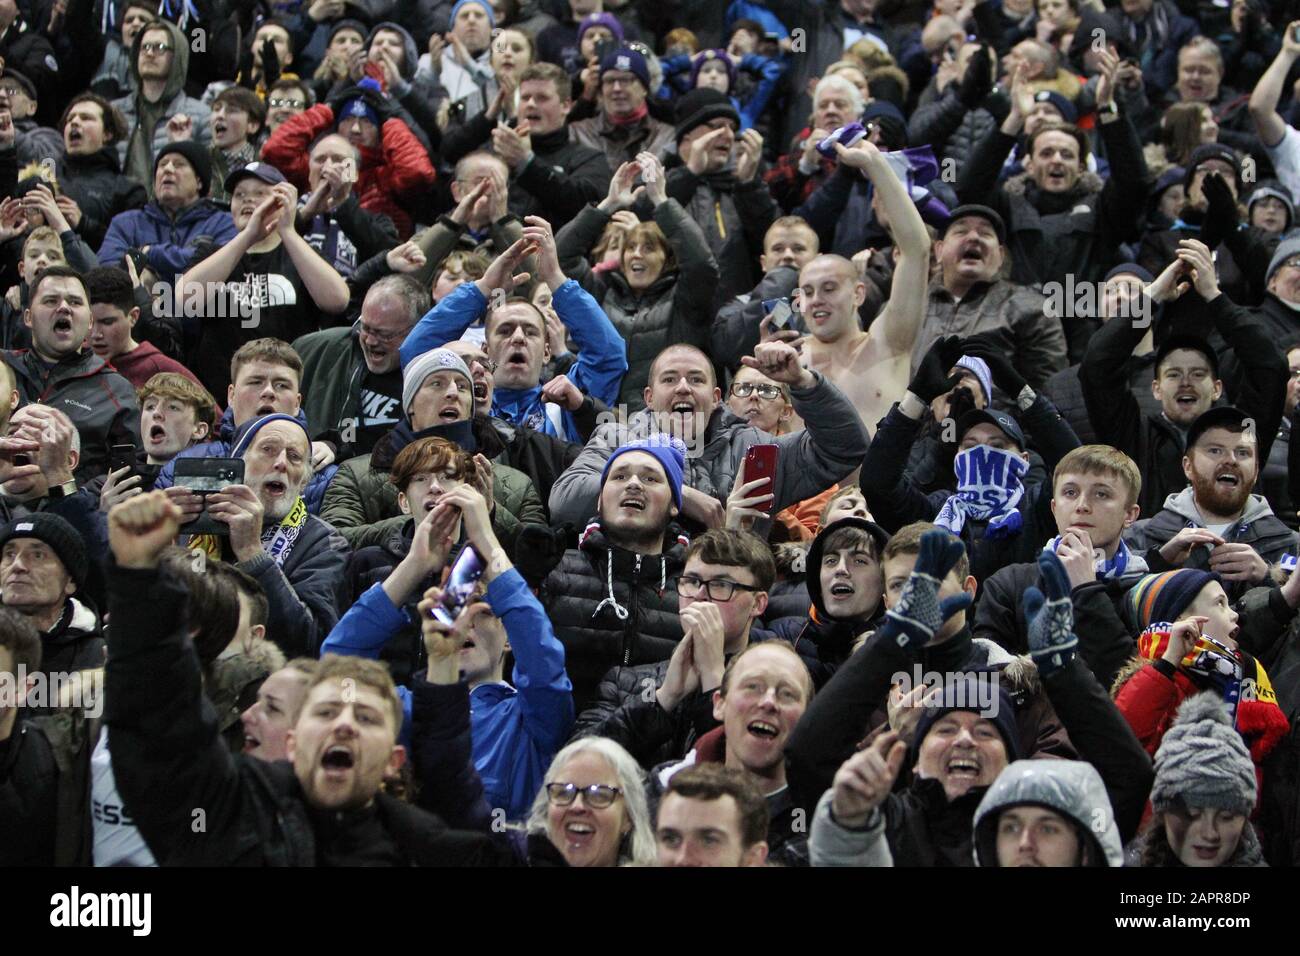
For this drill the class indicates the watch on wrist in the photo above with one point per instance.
(65, 490)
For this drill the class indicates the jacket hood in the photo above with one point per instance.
(1183, 504)
(412, 59)
(1071, 788)
(180, 59)
(813, 578)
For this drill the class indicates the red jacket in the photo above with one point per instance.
(1149, 702)
(397, 170)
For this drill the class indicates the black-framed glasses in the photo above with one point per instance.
(380, 336)
(765, 391)
(596, 797)
(719, 589)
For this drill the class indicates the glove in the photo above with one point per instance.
(270, 64)
(932, 379)
(1052, 641)
(919, 614)
(539, 550)
(978, 81)
(1221, 211)
(993, 348)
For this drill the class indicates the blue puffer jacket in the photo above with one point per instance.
(314, 493)
(516, 729)
(171, 242)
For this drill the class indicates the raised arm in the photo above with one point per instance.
(900, 320)
(325, 286)
(1269, 125)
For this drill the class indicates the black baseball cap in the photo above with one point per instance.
(984, 212)
(1185, 340)
(258, 170)
(991, 416)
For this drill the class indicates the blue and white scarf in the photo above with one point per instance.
(988, 489)
(1124, 562)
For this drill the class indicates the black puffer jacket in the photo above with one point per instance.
(99, 188)
(613, 608)
(946, 124)
(675, 310)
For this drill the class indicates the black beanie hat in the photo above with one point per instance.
(701, 105)
(196, 155)
(58, 534)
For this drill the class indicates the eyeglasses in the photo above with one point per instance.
(746, 389)
(378, 335)
(487, 364)
(155, 47)
(596, 797)
(12, 91)
(1292, 263)
(719, 589)
(275, 103)
(618, 80)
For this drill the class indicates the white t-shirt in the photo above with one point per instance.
(117, 840)
(1286, 160)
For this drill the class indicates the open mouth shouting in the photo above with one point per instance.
(963, 766)
(632, 502)
(1057, 176)
(275, 488)
(156, 436)
(1228, 479)
(840, 591)
(635, 267)
(579, 834)
(1187, 400)
(75, 136)
(62, 326)
(764, 730)
(450, 412)
(251, 743)
(972, 253)
(337, 762)
(517, 359)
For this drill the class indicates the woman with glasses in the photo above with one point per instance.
(591, 811)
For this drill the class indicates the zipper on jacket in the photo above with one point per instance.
(717, 214)
(629, 632)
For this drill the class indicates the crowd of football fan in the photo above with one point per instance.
(688, 432)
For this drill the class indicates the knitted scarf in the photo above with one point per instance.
(1235, 674)
(1124, 562)
(277, 540)
(988, 489)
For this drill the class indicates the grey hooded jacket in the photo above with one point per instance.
(810, 461)
(1072, 788)
(136, 153)
(1258, 527)
(832, 844)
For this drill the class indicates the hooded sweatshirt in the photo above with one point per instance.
(1257, 527)
(148, 121)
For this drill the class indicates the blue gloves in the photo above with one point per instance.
(919, 614)
(1052, 641)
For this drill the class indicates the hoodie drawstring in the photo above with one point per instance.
(619, 610)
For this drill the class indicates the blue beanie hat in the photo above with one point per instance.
(359, 108)
(492, 18)
(606, 20)
(708, 56)
(252, 428)
(629, 61)
(667, 450)
(1063, 106)
(962, 692)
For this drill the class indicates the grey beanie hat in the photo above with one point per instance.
(1203, 761)
(1285, 250)
(424, 365)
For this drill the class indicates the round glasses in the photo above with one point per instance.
(596, 797)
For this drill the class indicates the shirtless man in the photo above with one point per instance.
(871, 368)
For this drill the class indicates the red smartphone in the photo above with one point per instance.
(760, 462)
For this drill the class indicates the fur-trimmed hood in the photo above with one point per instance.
(1088, 185)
